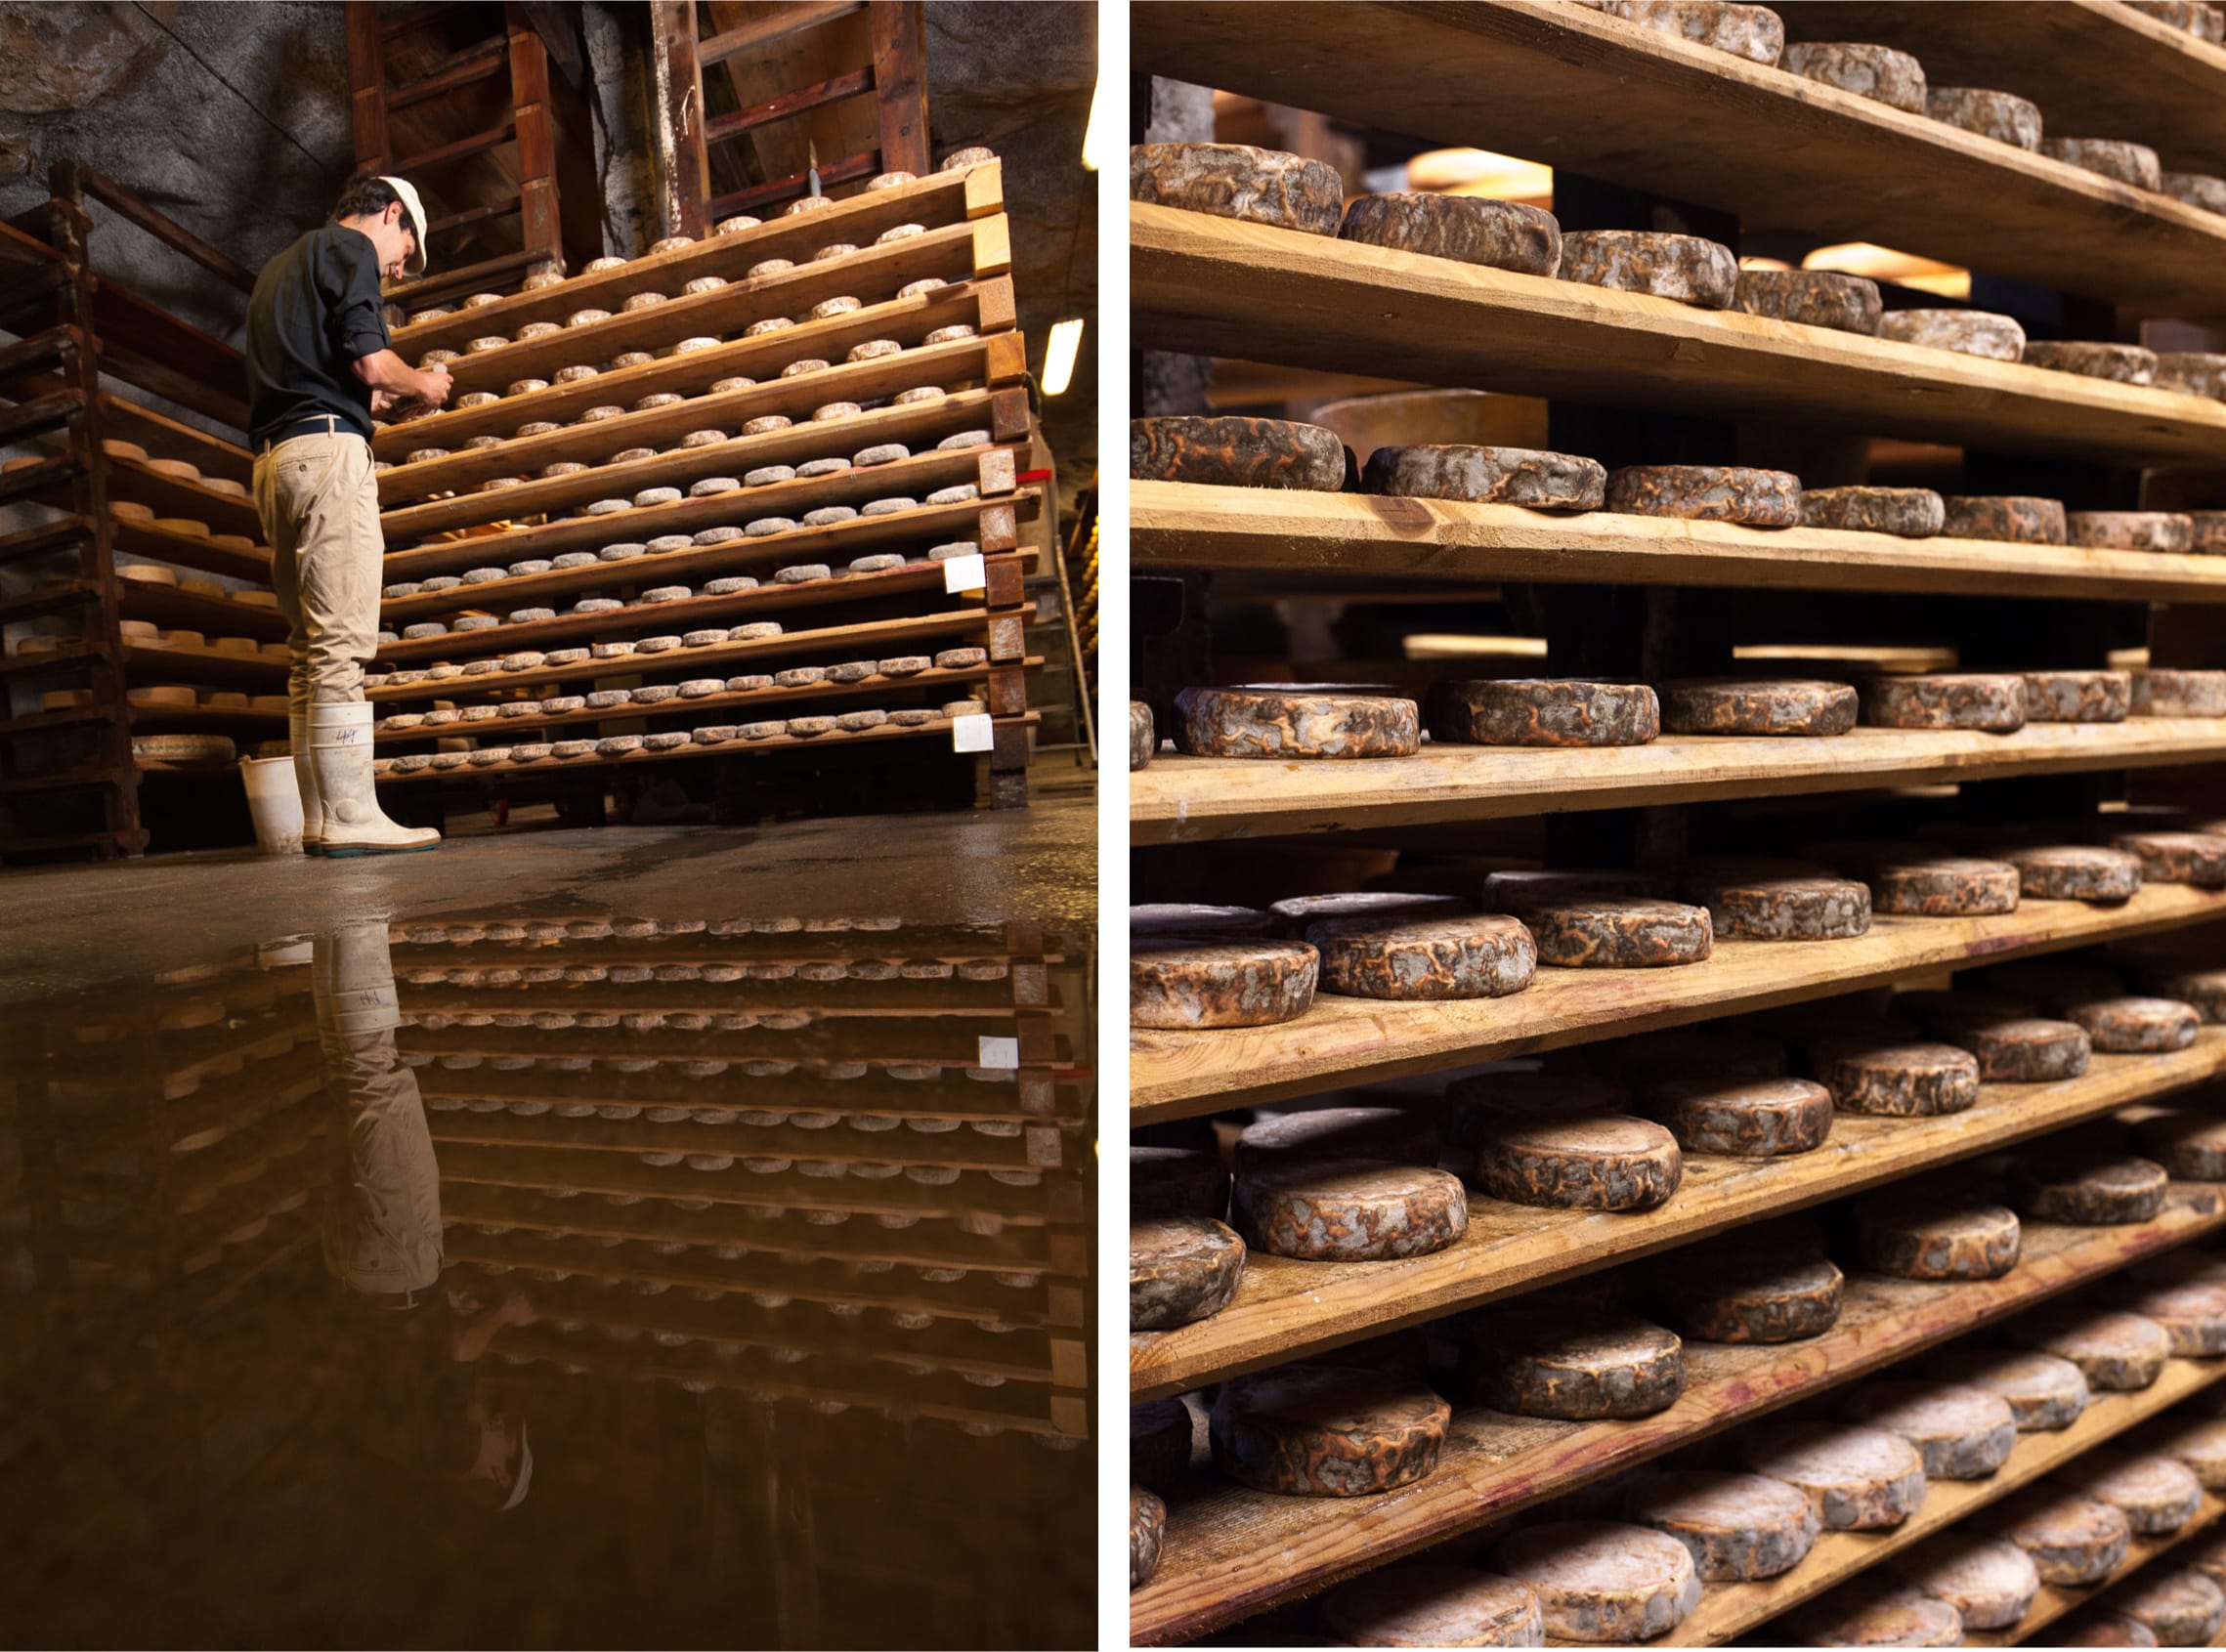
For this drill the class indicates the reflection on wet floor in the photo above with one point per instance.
(518, 1280)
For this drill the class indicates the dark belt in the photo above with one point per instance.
(317, 424)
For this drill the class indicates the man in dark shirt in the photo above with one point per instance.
(320, 364)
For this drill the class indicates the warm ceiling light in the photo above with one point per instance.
(1481, 172)
(1058, 354)
(1884, 264)
(1094, 135)
(1764, 264)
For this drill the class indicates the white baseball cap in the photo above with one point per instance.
(417, 210)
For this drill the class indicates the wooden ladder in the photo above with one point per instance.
(867, 60)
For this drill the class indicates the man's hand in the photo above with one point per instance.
(433, 390)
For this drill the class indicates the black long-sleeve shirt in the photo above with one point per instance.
(315, 312)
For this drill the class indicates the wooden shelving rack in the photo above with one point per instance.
(1645, 130)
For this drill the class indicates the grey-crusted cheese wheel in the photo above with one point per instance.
(1351, 1210)
(2121, 363)
(1181, 984)
(2130, 530)
(1295, 722)
(2015, 519)
(2137, 1026)
(1472, 955)
(2179, 694)
(1857, 1479)
(1951, 699)
(1754, 32)
(1144, 738)
(2100, 1629)
(1577, 1365)
(1466, 229)
(1298, 913)
(1406, 1135)
(2023, 1049)
(1158, 920)
(2179, 1607)
(2176, 857)
(1480, 475)
(1951, 886)
(2078, 697)
(1758, 498)
(1556, 712)
(1619, 934)
(2192, 1315)
(2130, 163)
(1991, 1583)
(1999, 115)
(1912, 513)
(2116, 1352)
(2159, 1494)
(1147, 1522)
(1961, 1433)
(1686, 268)
(1878, 1610)
(1594, 1161)
(1966, 333)
(2042, 1391)
(1324, 1430)
(1603, 1584)
(2206, 989)
(1180, 1269)
(2071, 873)
(1730, 705)
(1878, 73)
(2191, 372)
(1738, 1527)
(1786, 908)
(1962, 1242)
(1434, 1606)
(1177, 1181)
(2190, 1146)
(1815, 297)
(1236, 452)
(2069, 1539)
(2209, 539)
(1750, 1297)
(1159, 1443)
(1912, 1080)
(2068, 1185)
(1239, 181)
(1744, 1119)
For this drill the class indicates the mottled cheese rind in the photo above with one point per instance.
(1912, 1080)
(2000, 116)
(2109, 157)
(1745, 1298)
(2195, 858)
(1878, 73)
(1764, 706)
(1542, 712)
(1595, 1161)
(2014, 519)
(1859, 1479)
(1474, 474)
(1182, 1269)
(1744, 1119)
(1351, 1210)
(1431, 1605)
(1147, 1523)
(2078, 697)
(1236, 452)
(1286, 723)
(1465, 229)
(2158, 1494)
(1143, 739)
(2158, 693)
(1322, 1431)
(2121, 363)
(1756, 498)
(2075, 872)
(1239, 181)
(1688, 268)
(1753, 32)
(2116, 1352)
(1619, 934)
(1991, 701)
(1908, 513)
(1879, 1610)
(1992, 1583)
(2133, 1026)
(1601, 1582)
(2130, 530)
(1785, 909)
(1961, 1433)
(1815, 297)
(2179, 1607)
(2070, 1539)
(1961, 1241)
(1966, 333)
(1472, 955)
(1576, 1366)
(2043, 1392)
(2023, 1049)
(1739, 1528)
(2190, 1145)
(1183, 984)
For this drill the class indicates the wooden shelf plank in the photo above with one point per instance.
(1216, 286)
(1324, 537)
(215, 616)
(1592, 94)
(2055, 1600)
(175, 496)
(1285, 1309)
(165, 438)
(1198, 799)
(159, 544)
(147, 664)
(1230, 1553)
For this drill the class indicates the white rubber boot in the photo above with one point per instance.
(352, 979)
(340, 751)
(305, 778)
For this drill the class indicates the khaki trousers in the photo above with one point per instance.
(320, 506)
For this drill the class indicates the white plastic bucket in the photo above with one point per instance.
(273, 798)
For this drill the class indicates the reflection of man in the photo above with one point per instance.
(383, 1241)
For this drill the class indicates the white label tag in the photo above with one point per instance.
(965, 573)
(972, 733)
(999, 1052)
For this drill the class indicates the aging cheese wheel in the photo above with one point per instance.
(1159, 1433)
(2121, 363)
(1144, 738)
(1577, 1365)
(1957, 699)
(1754, 32)
(1480, 475)
(1604, 1584)
(1402, 1135)
(1966, 333)
(2191, 372)
(2197, 19)
(1744, 1119)
(1686, 268)
(2069, 1539)
(1236, 452)
(1902, 1237)
(2042, 1391)
(1351, 1209)
(1909, 1081)
(1295, 721)
(2130, 163)
(1878, 73)
(1553, 711)
(1472, 956)
(2206, 989)
(1991, 1583)
(2078, 697)
(1594, 1161)
(2016, 519)
(2130, 530)
(1738, 1527)
(1619, 934)
(2209, 533)
(1815, 297)
(2176, 857)
(1859, 1479)
(2159, 1494)
(1181, 984)
(1177, 1181)
(2052, 871)
(1730, 705)
(2190, 1146)
(2101, 1629)
(1325, 1430)
(1147, 1521)
(1180, 1269)
(2137, 1026)
(1466, 229)
(1961, 1433)
(1768, 904)
(2192, 1315)
(2179, 694)
(1750, 1297)
(1158, 920)
(2069, 1185)
(1999, 115)
(1239, 181)
(2179, 1607)
(1879, 1610)
(1434, 1606)
(1912, 513)
(1945, 886)
(1758, 498)
(2116, 1352)
(2023, 1049)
